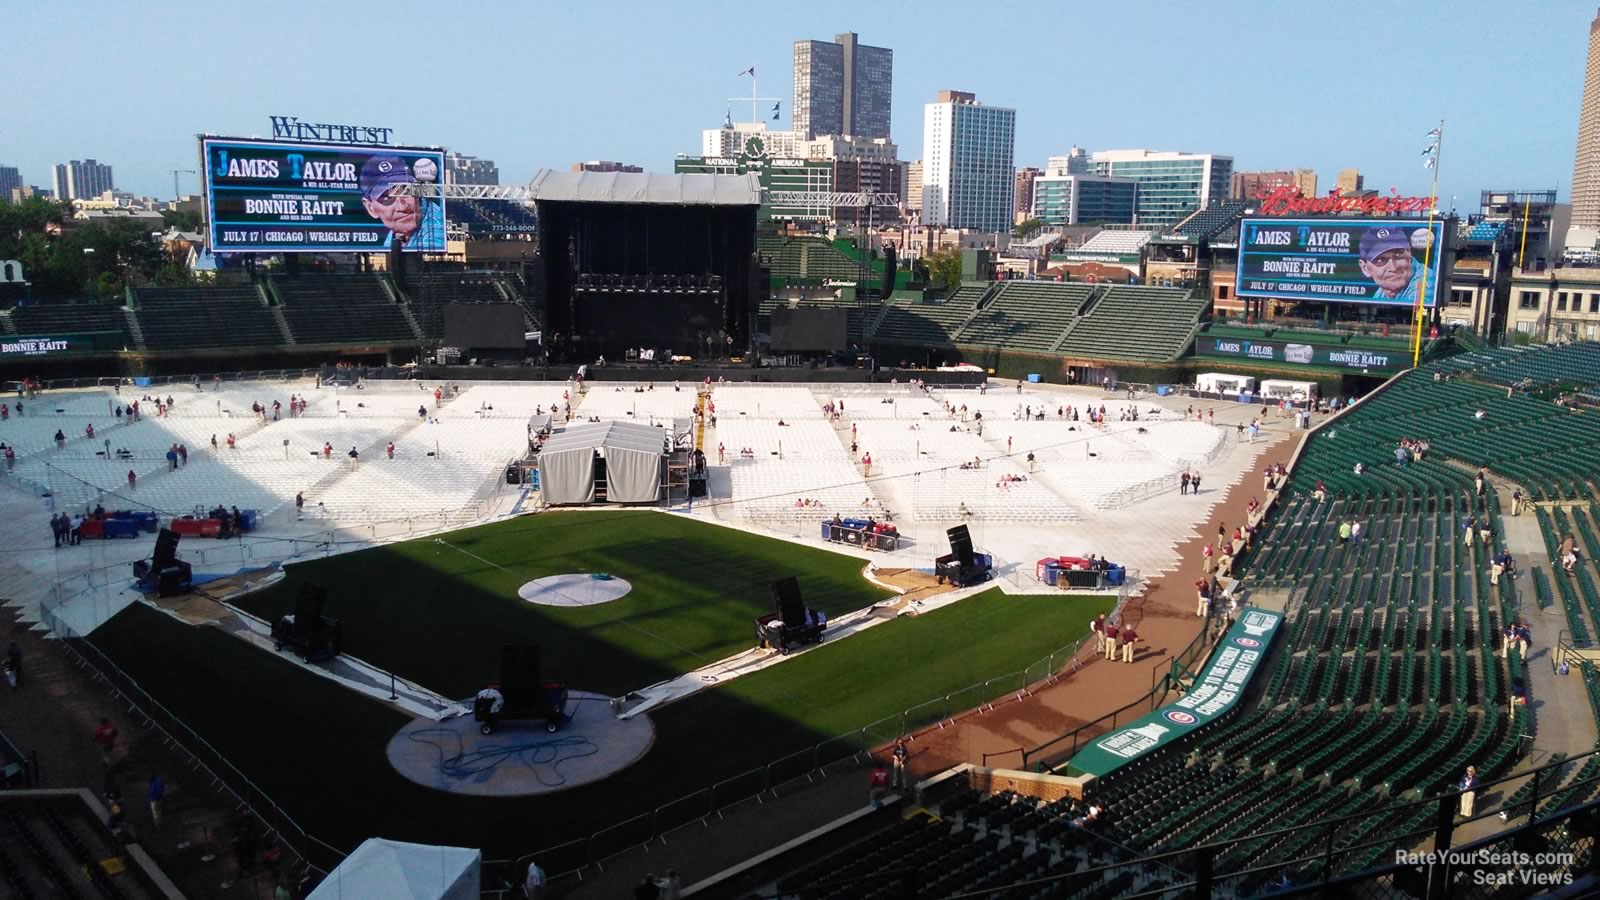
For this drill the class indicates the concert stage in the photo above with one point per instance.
(662, 262)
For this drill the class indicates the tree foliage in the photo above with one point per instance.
(1022, 228)
(944, 267)
(66, 258)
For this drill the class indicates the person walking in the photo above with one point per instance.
(1508, 636)
(671, 886)
(1523, 638)
(133, 480)
(1516, 502)
(1194, 484)
(1469, 791)
(1355, 533)
(156, 792)
(1183, 483)
(1203, 606)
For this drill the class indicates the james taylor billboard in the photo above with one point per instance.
(1344, 260)
(265, 197)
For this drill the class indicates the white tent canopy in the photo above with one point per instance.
(1223, 383)
(632, 452)
(394, 870)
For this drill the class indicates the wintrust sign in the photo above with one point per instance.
(1285, 201)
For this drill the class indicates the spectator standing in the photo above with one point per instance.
(1205, 560)
(1112, 633)
(133, 480)
(183, 455)
(900, 754)
(671, 886)
(77, 529)
(1516, 502)
(1129, 638)
(1469, 791)
(1203, 606)
(14, 665)
(1098, 628)
(1524, 637)
(105, 737)
(1355, 533)
(390, 449)
(878, 785)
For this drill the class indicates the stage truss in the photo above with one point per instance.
(521, 193)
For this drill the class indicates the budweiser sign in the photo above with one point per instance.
(1284, 201)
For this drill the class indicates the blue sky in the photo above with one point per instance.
(530, 85)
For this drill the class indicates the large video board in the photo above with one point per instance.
(1338, 259)
(276, 197)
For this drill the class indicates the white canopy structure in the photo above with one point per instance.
(643, 187)
(633, 455)
(395, 870)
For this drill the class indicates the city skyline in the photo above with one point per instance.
(591, 91)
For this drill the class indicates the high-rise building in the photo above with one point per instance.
(10, 180)
(605, 165)
(1024, 193)
(1251, 185)
(967, 175)
(868, 165)
(911, 200)
(1076, 199)
(84, 180)
(1171, 184)
(1349, 182)
(842, 87)
(462, 169)
(1586, 165)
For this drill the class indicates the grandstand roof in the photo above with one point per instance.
(640, 187)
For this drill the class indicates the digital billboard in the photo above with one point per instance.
(1342, 260)
(1276, 351)
(287, 197)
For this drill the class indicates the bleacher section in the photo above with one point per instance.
(1483, 231)
(1204, 224)
(428, 294)
(860, 316)
(814, 259)
(1119, 242)
(341, 309)
(910, 322)
(201, 318)
(1577, 363)
(1136, 323)
(479, 216)
(1027, 315)
(59, 318)
(56, 847)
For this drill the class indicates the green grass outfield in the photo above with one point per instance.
(319, 750)
(436, 612)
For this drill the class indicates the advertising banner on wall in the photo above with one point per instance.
(1340, 260)
(58, 344)
(1337, 357)
(265, 197)
(1219, 688)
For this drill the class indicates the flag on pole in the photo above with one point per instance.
(1433, 134)
(750, 71)
(775, 112)
(1429, 163)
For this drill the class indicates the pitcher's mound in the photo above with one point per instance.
(574, 590)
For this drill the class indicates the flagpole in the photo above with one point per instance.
(1427, 255)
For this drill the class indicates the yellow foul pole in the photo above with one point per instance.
(1427, 255)
(1522, 248)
